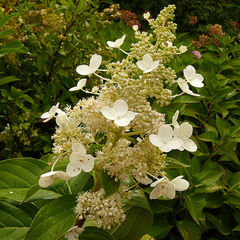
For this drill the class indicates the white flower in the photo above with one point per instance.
(48, 178)
(195, 79)
(143, 180)
(167, 189)
(51, 113)
(183, 49)
(119, 113)
(184, 132)
(146, 15)
(164, 139)
(135, 27)
(117, 43)
(170, 44)
(81, 83)
(95, 63)
(79, 160)
(62, 119)
(73, 233)
(147, 64)
(185, 88)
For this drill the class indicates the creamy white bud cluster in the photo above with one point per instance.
(105, 212)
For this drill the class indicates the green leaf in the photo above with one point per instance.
(162, 206)
(222, 127)
(15, 219)
(237, 228)
(95, 233)
(37, 193)
(18, 175)
(8, 79)
(208, 136)
(108, 183)
(53, 220)
(137, 223)
(218, 224)
(6, 32)
(159, 230)
(138, 199)
(82, 182)
(14, 46)
(173, 163)
(195, 204)
(207, 177)
(189, 229)
(5, 19)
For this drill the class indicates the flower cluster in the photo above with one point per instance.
(106, 213)
(192, 20)
(134, 136)
(210, 38)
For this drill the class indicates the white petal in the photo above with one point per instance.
(84, 70)
(117, 43)
(95, 62)
(48, 174)
(74, 89)
(183, 85)
(154, 139)
(62, 175)
(74, 168)
(185, 130)
(165, 133)
(143, 180)
(174, 119)
(45, 182)
(109, 113)
(45, 115)
(88, 163)
(111, 44)
(155, 183)
(121, 107)
(190, 145)
(126, 119)
(165, 148)
(78, 147)
(76, 156)
(189, 72)
(175, 143)
(180, 184)
(192, 93)
(147, 60)
(196, 83)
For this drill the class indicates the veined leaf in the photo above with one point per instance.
(18, 175)
(195, 204)
(189, 229)
(5, 19)
(14, 46)
(138, 199)
(15, 219)
(8, 79)
(109, 184)
(53, 220)
(208, 136)
(173, 163)
(217, 223)
(137, 223)
(38, 193)
(159, 230)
